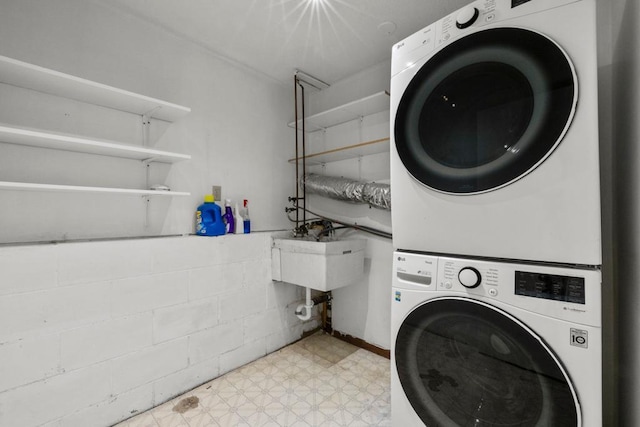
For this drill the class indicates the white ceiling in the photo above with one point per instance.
(329, 39)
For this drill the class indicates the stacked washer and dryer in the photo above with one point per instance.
(496, 301)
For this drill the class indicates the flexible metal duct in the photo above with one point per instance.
(378, 195)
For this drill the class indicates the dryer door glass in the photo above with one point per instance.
(485, 110)
(465, 363)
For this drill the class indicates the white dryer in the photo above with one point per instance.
(477, 343)
(494, 129)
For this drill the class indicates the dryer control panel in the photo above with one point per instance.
(474, 17)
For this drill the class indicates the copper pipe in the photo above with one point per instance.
(324, 317)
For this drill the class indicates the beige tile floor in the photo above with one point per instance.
(318, 381)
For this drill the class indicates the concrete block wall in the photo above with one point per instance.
(92, 333)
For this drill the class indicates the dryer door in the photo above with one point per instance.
(465, 363)
(485, 110)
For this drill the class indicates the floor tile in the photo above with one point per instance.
(318, 381)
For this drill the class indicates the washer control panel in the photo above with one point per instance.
(567, 293)
(415, 272)
(469, 275)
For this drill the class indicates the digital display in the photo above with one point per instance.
(516, 3)
(550, 286)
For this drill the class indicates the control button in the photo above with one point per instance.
(490, 17)
(469, 277)
(447, 285)
(467, 17)
(493, 292)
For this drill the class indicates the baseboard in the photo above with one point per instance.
(362, 344)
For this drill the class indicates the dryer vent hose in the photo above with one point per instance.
(374, 194)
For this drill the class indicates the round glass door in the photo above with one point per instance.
(485, 110)
(465, 363)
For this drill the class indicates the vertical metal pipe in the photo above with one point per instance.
(295, 103)
(304, 164)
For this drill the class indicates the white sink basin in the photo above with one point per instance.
(318, 265)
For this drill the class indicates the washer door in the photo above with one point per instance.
(465, 363)
(485, 110)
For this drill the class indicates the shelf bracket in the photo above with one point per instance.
(146, 124)
(147, 199)
(149, 160)
(146, 128)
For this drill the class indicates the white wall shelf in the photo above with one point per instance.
(29, 76)
(376, 146)
(368, 105)
(38, 138)
(27, 186)
(371, 104)
(34, 77)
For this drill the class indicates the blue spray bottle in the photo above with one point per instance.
(245, 217)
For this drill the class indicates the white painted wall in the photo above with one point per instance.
(236, 132)
(361, 310)
(94, 332)
(91, 332)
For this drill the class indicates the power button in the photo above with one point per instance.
(493, 292)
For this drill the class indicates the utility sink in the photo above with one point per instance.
(320, 265)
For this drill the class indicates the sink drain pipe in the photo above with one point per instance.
(303, 311)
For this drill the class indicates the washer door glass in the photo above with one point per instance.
(465, 363)
(485, 110)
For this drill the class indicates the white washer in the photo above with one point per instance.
(494, 130)
(494, 344)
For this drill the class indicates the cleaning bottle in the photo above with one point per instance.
(229, 222)
(209, 218)
(245, 217)
(239, 225)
